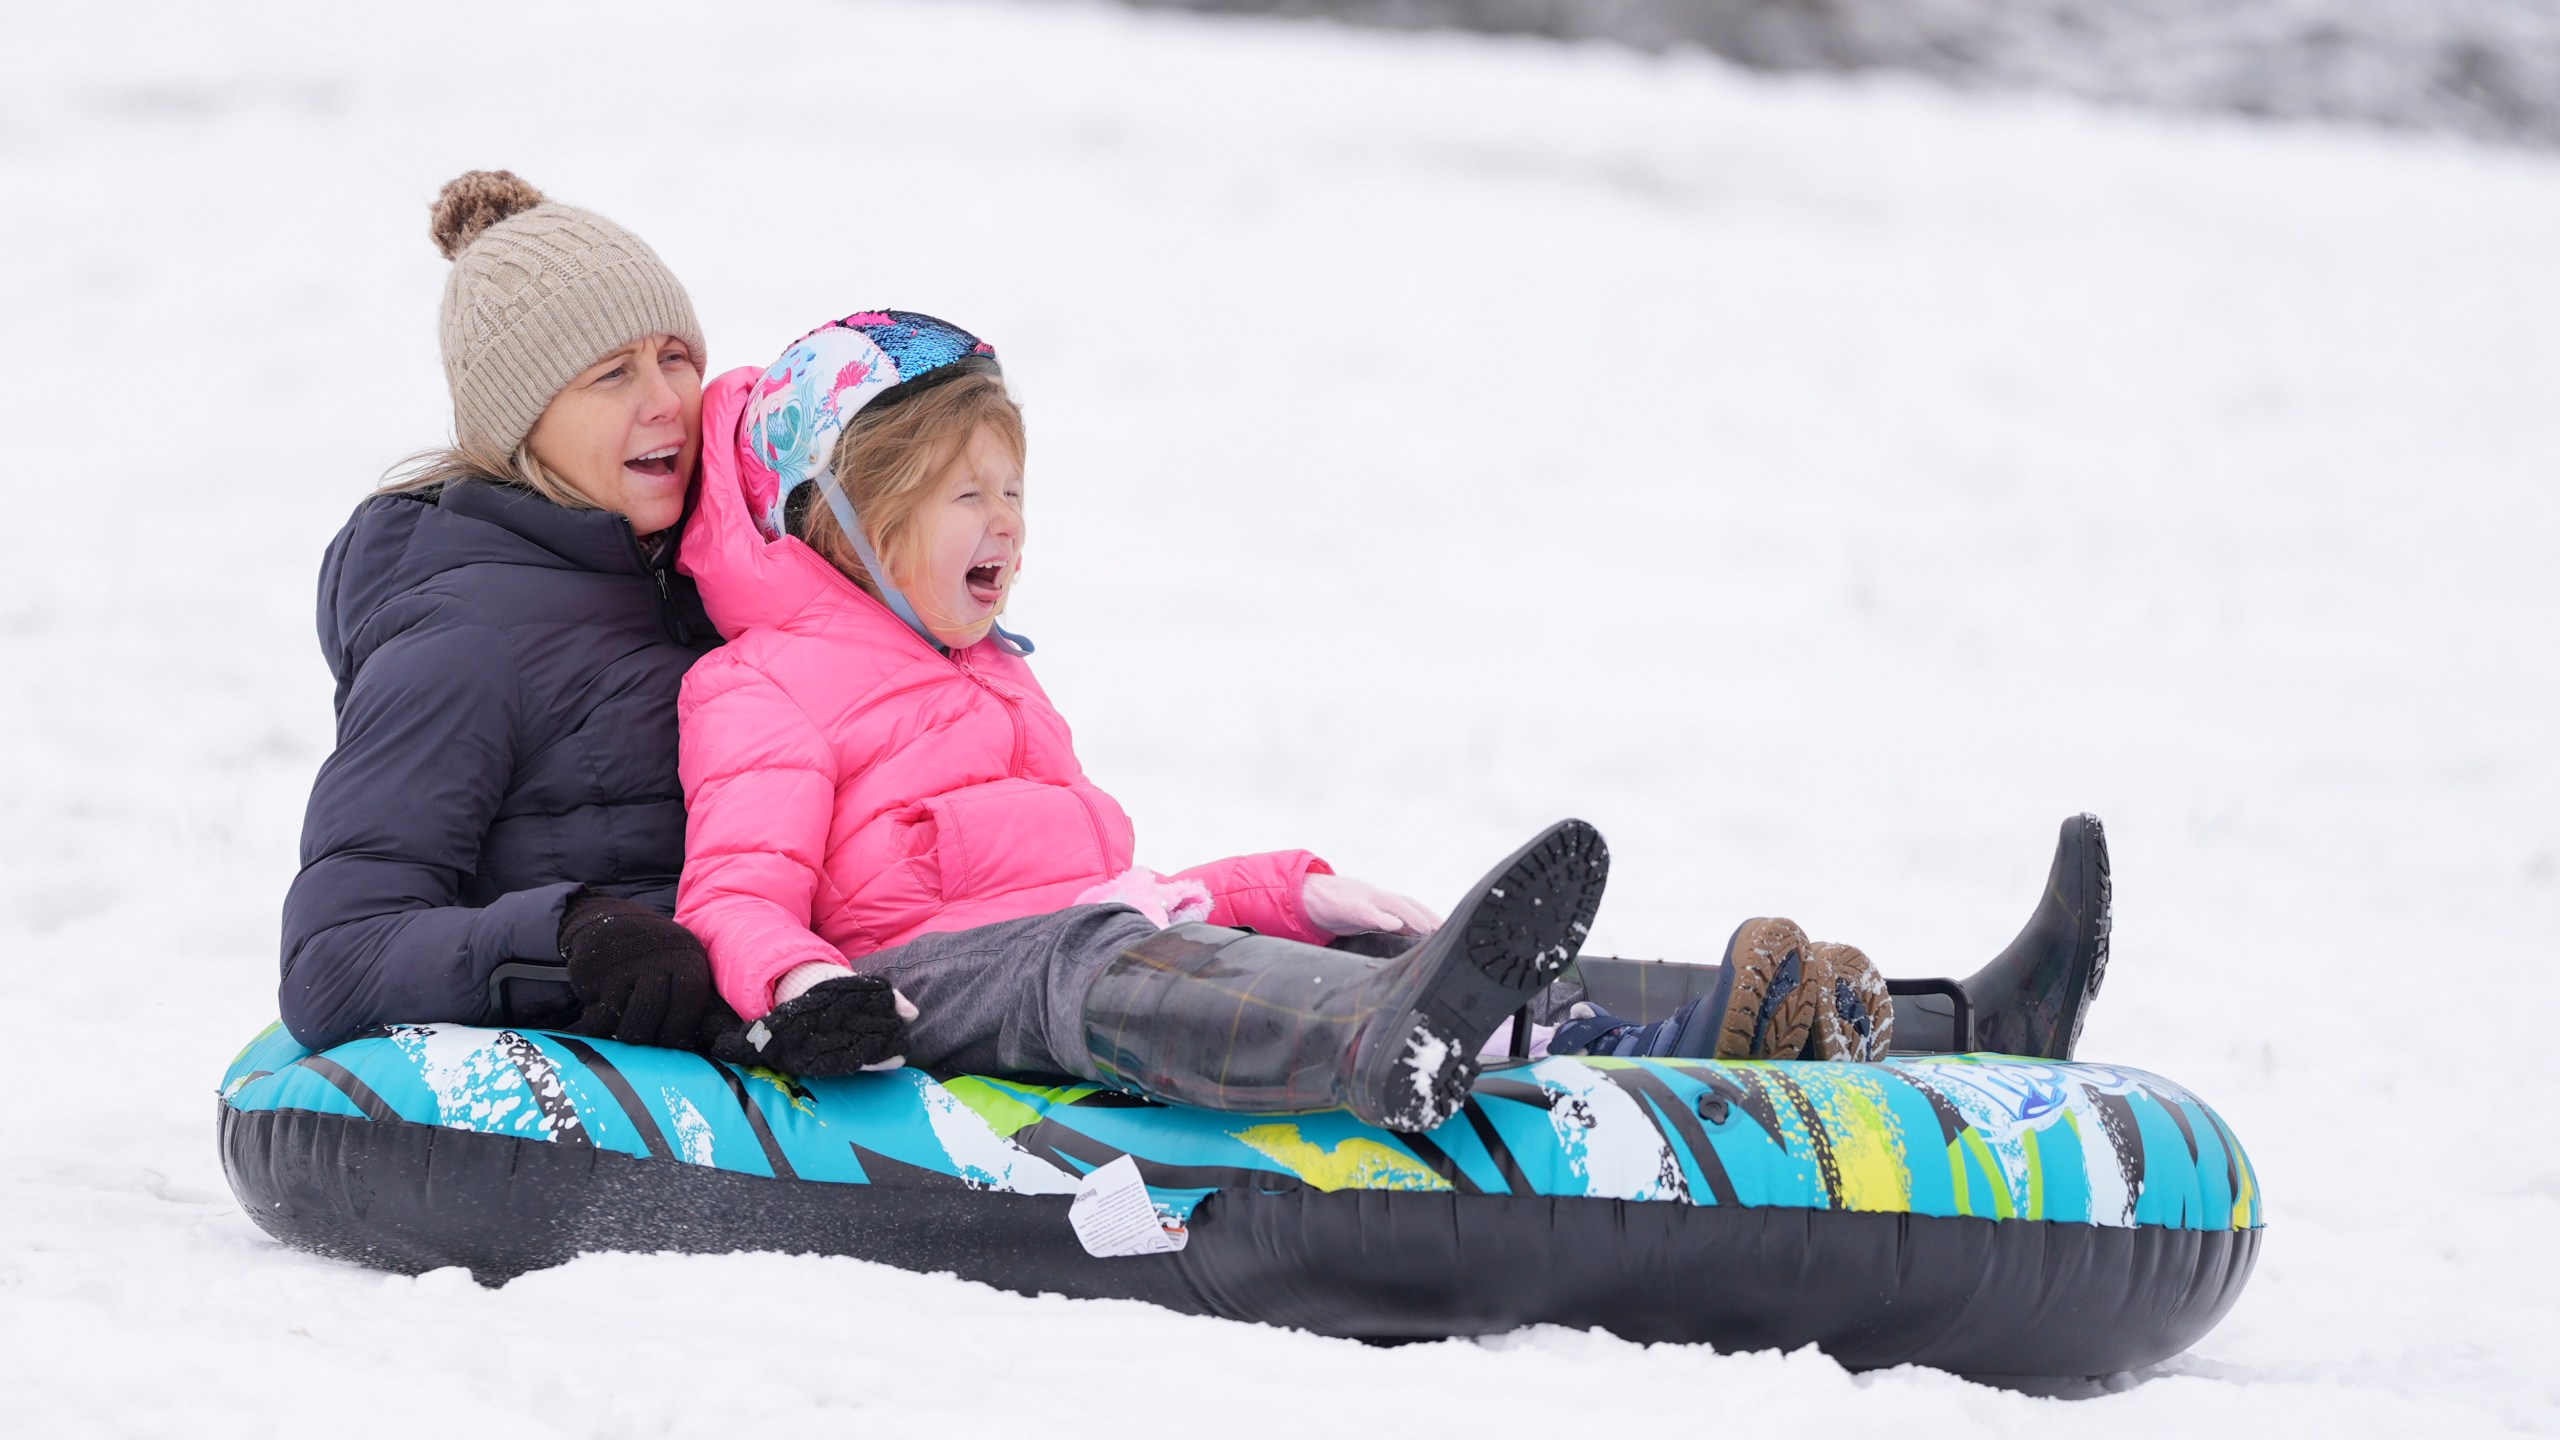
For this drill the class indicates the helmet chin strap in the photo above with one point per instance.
(890, 594)
(1018, 644)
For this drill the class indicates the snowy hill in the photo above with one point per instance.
(1823, 485)
(2489, 68)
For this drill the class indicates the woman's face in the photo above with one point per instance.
(625, 433)
(968, 543)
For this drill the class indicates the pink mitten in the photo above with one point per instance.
(1160, 898)
(1345, 906)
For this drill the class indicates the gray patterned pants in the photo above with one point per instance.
(1008, 998)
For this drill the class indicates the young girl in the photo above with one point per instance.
(892, 852)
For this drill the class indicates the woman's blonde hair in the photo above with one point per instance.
(891, 457)
(434, 469)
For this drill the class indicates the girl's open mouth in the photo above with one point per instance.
(986, 582)
(659, 464)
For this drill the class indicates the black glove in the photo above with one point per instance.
(640, 977)
(835, 1028)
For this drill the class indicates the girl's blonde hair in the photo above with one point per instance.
(891, 457)
(434, 469)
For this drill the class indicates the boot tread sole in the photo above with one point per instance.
(1837, 969)
(1516, 931)
(1756, 954)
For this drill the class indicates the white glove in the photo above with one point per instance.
(1340, 905)
(800, 979)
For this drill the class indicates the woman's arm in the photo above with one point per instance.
(759, 793)
(373, 928)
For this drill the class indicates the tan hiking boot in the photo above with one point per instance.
(1852, 1011)
(1769, 1010)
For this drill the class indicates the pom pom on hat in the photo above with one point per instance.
(472, 202)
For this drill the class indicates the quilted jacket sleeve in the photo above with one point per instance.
(759, 790)
(1261, 892)
(374, 931)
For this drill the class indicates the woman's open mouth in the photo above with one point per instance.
(658, 464)
(986, 582)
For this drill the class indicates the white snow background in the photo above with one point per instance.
(1824, 486)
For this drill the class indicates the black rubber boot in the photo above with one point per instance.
(1230, 1020)
(2033, 998)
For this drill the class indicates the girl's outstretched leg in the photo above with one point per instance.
(1203, 1015)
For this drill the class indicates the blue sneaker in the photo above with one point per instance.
(1761, 1008)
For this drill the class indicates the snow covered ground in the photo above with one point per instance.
(1823, 486)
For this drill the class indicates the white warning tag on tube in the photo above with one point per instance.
(1113, 1215)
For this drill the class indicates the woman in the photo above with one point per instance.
(496, 838)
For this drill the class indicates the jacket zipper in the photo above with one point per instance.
(1012, 711)
(670, 615)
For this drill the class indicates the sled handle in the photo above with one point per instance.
(520, 970)
(1951, 990)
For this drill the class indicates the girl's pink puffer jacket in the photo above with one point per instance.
(848, 787)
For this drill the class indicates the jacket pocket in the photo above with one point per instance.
(1012, 834)
(886, 875)
(918, 842)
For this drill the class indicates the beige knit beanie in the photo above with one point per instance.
(539, 292)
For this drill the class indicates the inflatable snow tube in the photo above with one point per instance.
(1981, 1214)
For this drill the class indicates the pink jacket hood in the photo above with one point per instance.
(849, 787)
(758, 581)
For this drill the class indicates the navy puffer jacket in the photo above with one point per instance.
(507, 672)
